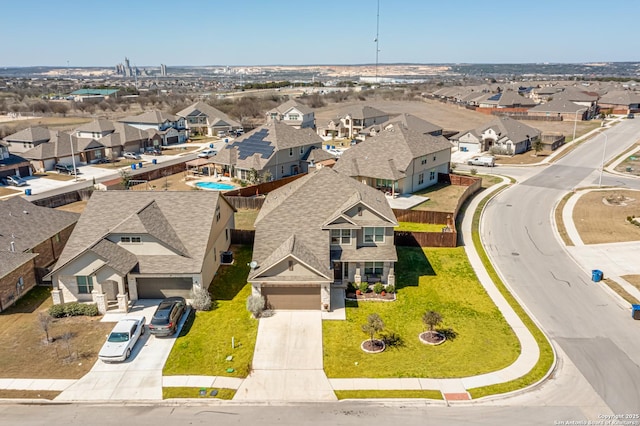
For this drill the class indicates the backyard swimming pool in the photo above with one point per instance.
(215, 186)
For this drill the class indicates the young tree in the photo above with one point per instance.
(44, 321)
(125, 178)
(431, 319)
(537, 147)
(374, 325)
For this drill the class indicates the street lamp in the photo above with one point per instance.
(575, 122)
(73, 160)
(604, 150)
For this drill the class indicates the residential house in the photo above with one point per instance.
(274, 150)
(203, 119)
(503, 133)
(12, 164)
(563, 110)
(315, 235)
(405, 120)
(620, 101)
(31, 240)
(116, 137)
(397, 160)
(544, 93)
(63, 148)
(26, 139)
(294, 114)
(165, 128)
(505, 99)
(353, 120)
(138, 245)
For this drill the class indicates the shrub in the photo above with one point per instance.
(363, 287)
(378, 288)
(391, 288)
(200, 299)
(255, 305)
(351, 288)
(73, 309)
(474, 171)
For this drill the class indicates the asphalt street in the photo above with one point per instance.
(592, 327)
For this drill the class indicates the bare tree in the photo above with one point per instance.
(44, 321)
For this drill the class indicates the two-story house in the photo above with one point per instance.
(203, 119)
(116, 137)
(31, 240)
(405, 120)
(316, 234)
(131, 245)
(166, 128)
(274, 150)
(353, 120)
(12, 164)
(397, 160)
(294, 114)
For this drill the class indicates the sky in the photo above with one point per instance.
(278, 32)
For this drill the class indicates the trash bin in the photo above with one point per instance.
(133, 166)
(27, 191)
(154, 161)
(596, 275)
(635, 312)
(629, 169)
(140, 164)
(210, 145)
(226, 140)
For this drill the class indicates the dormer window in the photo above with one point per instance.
(130, 240)
(290, 152)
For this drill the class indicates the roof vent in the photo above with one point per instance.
(12, 247)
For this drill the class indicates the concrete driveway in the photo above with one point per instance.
(138, 378)
(287, 361)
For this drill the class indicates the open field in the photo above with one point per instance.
(601, 216)
(24, 352)
(58, 123)
(5, 190)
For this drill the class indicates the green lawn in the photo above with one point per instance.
(419, 227)
(205, 343)
(185, 392)
(440, 279)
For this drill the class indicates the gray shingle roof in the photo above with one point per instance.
(9, 261)
(27, 225)
(137, 211)
(389, 153)
(60, 146)
(121, 260)
(619, 97)
(362, 112)
(31, 134)
(558, 105)
(409, 121)
(293, 218)
(100, 126)
(149, 117)
(214, 116)
(283, 108)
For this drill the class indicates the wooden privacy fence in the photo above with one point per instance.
(254, 203)
(262, 188)
(426, 239)
(242, 236)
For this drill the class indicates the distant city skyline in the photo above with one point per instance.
(78, 33)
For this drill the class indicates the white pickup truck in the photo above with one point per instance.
(484, 160)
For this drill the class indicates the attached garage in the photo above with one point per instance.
(159, 288)
(292, 297)
(172, 140)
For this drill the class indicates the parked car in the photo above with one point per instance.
(167, 316)
(66, 168)
(153, 151)
(122, 339)
(101, 160)
(16, 180)
(207, 153)
(630, 115)
(131, 155)
(482, 161)
(222, 133)
(239, 132)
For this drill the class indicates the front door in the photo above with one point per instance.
(337, 271)
(345, 270)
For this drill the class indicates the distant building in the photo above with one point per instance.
(163, 70)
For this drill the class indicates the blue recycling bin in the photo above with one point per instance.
(27, 191)
(635, 312)
(154, 161)
(210, 145)
(140, 165)
(226, 140)
(133, 166)
(596, 275)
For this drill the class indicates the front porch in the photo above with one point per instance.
(358, 272)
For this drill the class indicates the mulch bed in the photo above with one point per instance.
(373, 346)
(371, 296)
(432, 338)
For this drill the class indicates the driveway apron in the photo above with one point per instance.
(287, 361)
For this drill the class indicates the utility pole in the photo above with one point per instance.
(377, 38)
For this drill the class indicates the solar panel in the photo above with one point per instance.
(254, 144)
(495, 97)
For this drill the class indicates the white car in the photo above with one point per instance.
(122, 339)
(207, 153)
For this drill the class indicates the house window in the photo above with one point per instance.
(20, 286)
(424, 161)
(128, 240)
(281, 170)
(290, 152)
(432, 175)
(420, 178)
(434, 158)
(291, 265)
(226, 234)
(56, 237)
(301, 150)
(218, 213)
(359, 211)
(373, 235)
(85, 284)
(373, 269)
(274, 115)
(294, 117)
(340, 236)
